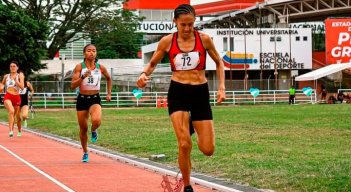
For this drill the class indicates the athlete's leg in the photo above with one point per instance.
(11, 113)
(24, 110)
(180, 121)
(95, 114)
(18, 117)
(83, 128)
(205, 136)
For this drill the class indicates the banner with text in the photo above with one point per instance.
(338, 40)
(265, 48)
(156, 27)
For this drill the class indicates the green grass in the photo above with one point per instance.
(279, 147)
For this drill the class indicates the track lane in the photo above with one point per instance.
(62, 162)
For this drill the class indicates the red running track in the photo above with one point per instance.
(36, 164)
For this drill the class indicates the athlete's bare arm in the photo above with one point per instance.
(109, 82)
(20, 81)
(162, 48)
(211, 50)
(29, 85)
(76, 80)
(2, 84)
(4, 79)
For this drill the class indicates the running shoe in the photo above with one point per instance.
(94, 136)
(25, 123)
(85, 158)
(188, 189)
(19, 134)
(11, 134)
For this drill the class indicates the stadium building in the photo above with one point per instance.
(158, 22)
(264, 44)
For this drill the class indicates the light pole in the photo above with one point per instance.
(268, 81)
(63, 57)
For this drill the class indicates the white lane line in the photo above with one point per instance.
(38, 170)
(125, 160)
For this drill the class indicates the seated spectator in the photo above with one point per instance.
(340, 97)
(323, 93)
(347, 98)
(331, 100)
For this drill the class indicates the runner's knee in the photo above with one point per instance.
(11, 112)
(208, 150)
(185, 145)
(83, 131)
(96, 122)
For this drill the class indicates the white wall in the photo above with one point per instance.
(120, 66)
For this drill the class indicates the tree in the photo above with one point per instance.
(21, 38)
(67, 17)
(119, 39)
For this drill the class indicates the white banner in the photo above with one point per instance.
(155, 27)
(265, 48)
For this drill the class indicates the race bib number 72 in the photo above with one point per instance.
(186, 61)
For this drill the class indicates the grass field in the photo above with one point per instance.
(279, 147)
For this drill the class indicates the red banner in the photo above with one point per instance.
(338, 40)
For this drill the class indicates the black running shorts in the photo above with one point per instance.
(84, 102)
(192, 98)
(24, 100)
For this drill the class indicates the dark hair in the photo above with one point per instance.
(15, 62)
(86, 46)
(184, 9)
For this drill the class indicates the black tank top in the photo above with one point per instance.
(24, 92)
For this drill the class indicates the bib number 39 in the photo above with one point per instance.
(90, 80)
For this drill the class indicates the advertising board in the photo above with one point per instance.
(338, 40)
(262, 48)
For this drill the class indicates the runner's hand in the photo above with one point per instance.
(108, 97)
(143, 79)
(220, 95)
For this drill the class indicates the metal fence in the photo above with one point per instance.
(159, 99)
(160, 85)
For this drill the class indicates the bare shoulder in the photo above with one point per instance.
(4, 78)
(165, 42)
(205, 38)
(167, 38)
(78, 67)
(102, 67)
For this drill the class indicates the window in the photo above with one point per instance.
(146, 14)
(156, 15)
(167, 15)
(231, 43)
(225, 44)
